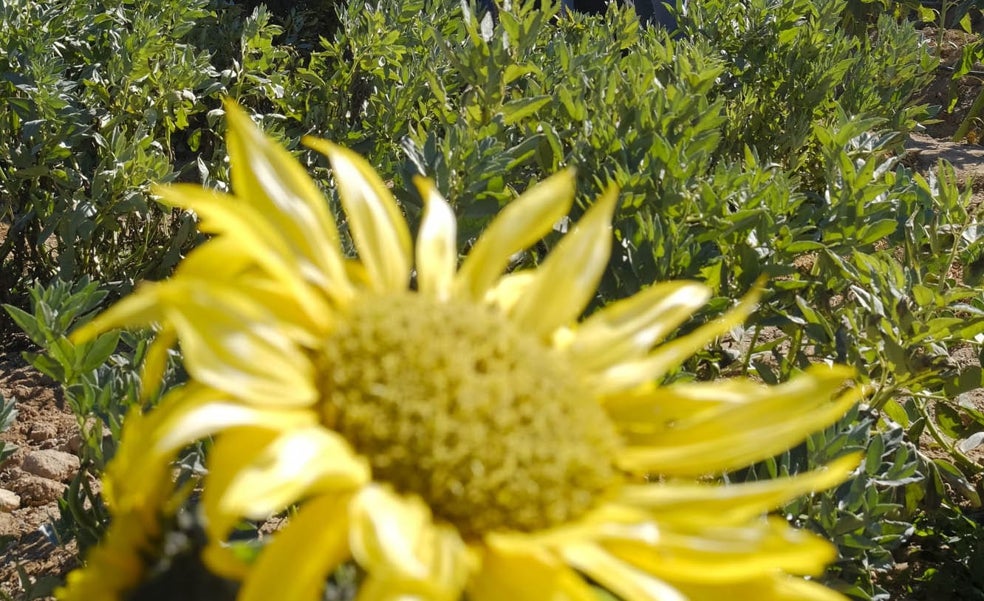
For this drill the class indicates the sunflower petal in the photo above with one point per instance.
(297, 563)
(378, 229)
(569, 277)
(221, 257)
(206, 416)
(523, 222)
(739, 435)
(281, 469)
(268, 178)
(396, 541)
(775, 587)
(721, 555)
(509, 289)
(141, 309)
(619, 577)
(624, 376)
(691, 503)
(437, 246)
(155, 362)
(523, 572)
(233, 344)
(248, 231)
(627, 329)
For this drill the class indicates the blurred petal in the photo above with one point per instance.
(671, 355)
(396, 541)
(140, 309)
(233, 344)
(629, 583)
(378, 228)
(247, 231)
(738, 435)
(204, 416)
(296, 565)
(522, 572)
(270, 473)
(776, 587)
(689, 503)
(720, 555)
(568, 278)
(221, 257)
(155, 362)
(519, 225)
(271, 181)
(510, 289)
(437, 244)
(627, 329)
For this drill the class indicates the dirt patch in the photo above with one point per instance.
(27, 551)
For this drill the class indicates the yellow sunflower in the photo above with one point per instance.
(141, 495)
(455, 430)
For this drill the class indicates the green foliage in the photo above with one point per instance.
(99, 380)
(8, 413)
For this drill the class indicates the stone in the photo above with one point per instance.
(51, 464)
(42, 432)
(9, 500)
(35, 491)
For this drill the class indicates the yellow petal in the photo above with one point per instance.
(629, 583)
(437, 243)
(297, 563)
(777, 587)
(690, 503)
(155, 362)
(204, 416)
(671, 355)
(509, 289)
(378, 229)
(627, 329)
(142, 308)
(221, 257)
(523, 222)
(253, 233)
(568, 279)
(271, 181)
(395, 540)
(291, 466)
(235, 345)
(738, 435)
(721, 555)
(525, 572)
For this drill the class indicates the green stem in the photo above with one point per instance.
(973, 113)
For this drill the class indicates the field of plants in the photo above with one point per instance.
(773, 141)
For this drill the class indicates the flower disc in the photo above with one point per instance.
(450, 401)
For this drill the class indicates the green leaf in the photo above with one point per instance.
(98, 351)
(516, 110)
(949, 421)
(876, 231)
(28, 323)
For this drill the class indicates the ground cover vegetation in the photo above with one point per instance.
(763, 138)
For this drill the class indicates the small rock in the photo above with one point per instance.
(42, 432)
(49, 463)
(9, 500)
(35, 490)
(8, 525)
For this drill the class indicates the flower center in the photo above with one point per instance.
(452, 402)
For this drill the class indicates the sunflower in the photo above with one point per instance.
(459, 430)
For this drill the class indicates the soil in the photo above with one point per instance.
(31, 564)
